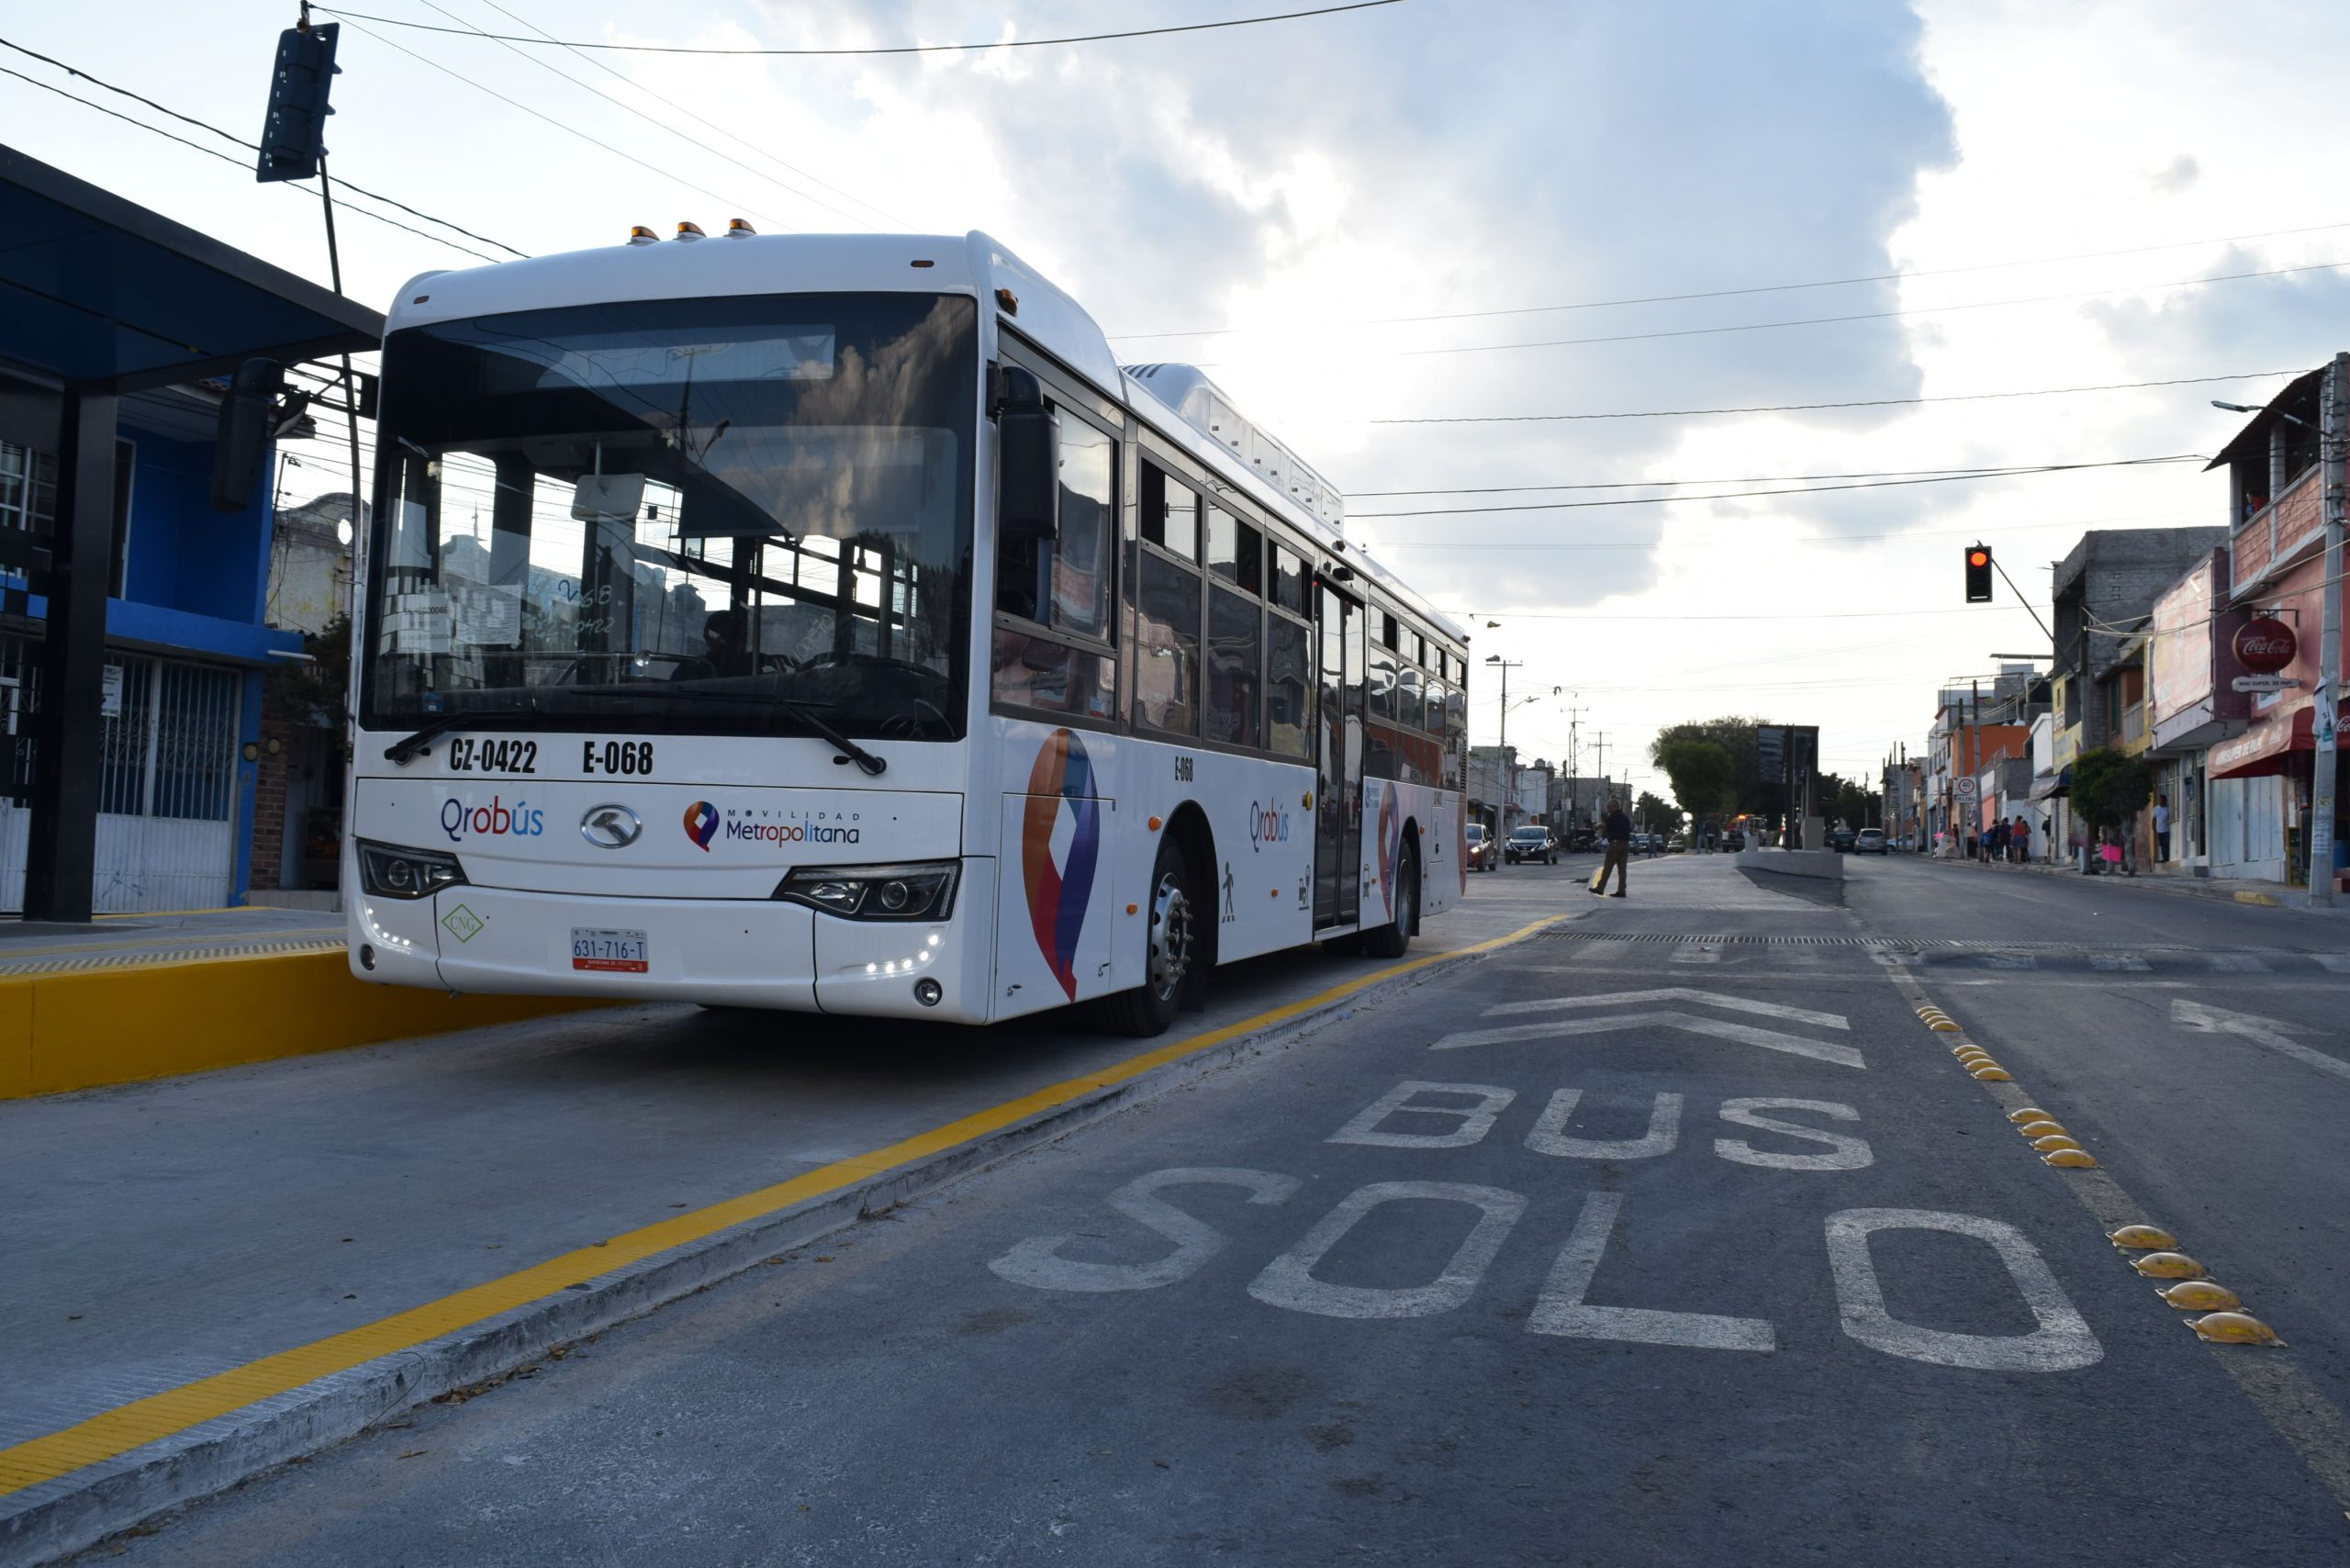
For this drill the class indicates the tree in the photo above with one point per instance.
(1655, 817)
(1747, 792)
(1703, 775)
(312, 691)
(2109, 789)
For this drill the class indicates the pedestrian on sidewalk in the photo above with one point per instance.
(2021, 852)
(2162, 828)
(1619, 831)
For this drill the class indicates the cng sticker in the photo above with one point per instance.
(463, 924)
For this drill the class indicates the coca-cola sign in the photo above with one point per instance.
(2265, 646)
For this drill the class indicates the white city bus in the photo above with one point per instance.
(829, 624)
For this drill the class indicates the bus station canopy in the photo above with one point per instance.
(103, 295)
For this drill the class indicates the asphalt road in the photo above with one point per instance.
(1671, 1236)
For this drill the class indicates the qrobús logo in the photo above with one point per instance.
(495, 820)
(705, 823)
(1267, 823)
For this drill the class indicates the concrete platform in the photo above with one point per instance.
(213, 1273)
(126, 998)
(1823, 863)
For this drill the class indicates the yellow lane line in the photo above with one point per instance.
(143, 1422)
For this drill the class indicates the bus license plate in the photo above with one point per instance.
(620, 952)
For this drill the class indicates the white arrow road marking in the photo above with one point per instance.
(2268, 1032)
(1718, 1028)
(1674, 993)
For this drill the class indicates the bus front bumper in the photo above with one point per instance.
(720, 952)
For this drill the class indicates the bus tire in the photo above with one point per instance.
(1169, 948)
(1391, 939)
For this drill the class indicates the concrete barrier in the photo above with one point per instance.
(81, 1028)
(1823, 863)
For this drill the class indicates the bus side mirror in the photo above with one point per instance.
(1027, 480)
(249, 416)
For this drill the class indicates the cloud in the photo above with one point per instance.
(2179, 175)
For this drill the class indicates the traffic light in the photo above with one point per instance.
(293, 139)
(1978, 574)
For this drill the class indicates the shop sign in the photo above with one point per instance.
(2265, 644)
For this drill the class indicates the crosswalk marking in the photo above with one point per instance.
(2117, 962)
(2235, 964)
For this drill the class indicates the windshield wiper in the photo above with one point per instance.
(849, 750)
(406, 748)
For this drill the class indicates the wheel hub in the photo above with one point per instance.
(1170, 937)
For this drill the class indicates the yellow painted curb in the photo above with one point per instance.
(81, 1029)
(2261, 899)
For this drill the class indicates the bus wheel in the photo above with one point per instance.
(1390, 940)
(1150, 1007)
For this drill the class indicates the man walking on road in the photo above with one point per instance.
(1619, 831)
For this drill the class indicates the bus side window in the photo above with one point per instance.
(1064, 581)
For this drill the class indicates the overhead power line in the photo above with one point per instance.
(237, 140)
(1867, 315)
(1800, 490)
(1850, 403)
(1971, 471)
(1381, 546)
(699, 120)
(890, 49)
(1769, 287)
(235, 164)
(653, 120)
(534, 114)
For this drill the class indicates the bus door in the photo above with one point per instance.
(1337, 805)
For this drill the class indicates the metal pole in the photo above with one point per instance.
(1509, 764)
(2336, 448)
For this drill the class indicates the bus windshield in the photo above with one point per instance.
(740, 515)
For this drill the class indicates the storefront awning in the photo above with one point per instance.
(2048, 786)
(2265, 748)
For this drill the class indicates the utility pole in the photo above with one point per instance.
(2335, 450)
(1599, 743)
(1509, 763)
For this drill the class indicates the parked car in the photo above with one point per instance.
(1483, 849)
(1676, 844)
(1871, 841)
(1583, 841)
(1840, 839)
(1531, 843)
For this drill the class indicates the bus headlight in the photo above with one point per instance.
(388, 872)
(921, 891)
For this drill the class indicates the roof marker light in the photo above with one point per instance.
(922, 264)
(690, 230)
(638, 234)
(1008, 300)
(736, 228)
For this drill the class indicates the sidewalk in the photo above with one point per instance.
(2236, 890)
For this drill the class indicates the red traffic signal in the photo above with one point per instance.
(1978, 574)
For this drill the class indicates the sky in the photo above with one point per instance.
(1435, 210)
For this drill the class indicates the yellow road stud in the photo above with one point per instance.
(2169, 1266)
(2142, 1236)
(2053, 1142)
(1961, 1050)
(2042, 1129)
(1943, 1026)
(2200, 1295)
(2232, 1328)
(2029, 1114)
(1971, 1055)
(2070, 1159)
(1990, 1072)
